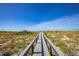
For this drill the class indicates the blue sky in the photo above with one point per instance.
(22, 16)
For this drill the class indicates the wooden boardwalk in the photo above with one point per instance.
(42, 46)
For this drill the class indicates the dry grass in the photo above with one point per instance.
(67, 41)
(12, 43)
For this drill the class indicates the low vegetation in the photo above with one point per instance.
(13, 43)
(67, 41)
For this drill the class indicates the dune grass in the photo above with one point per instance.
(12, 43)
(67, 41)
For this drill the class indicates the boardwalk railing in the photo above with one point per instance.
(30, 48)
(52, 48)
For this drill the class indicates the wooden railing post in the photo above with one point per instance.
(36, 40)
(32, 49)
(50, 49)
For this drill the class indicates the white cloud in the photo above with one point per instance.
(64, 23)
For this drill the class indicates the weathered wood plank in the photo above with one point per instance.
(37, 51)
(41, 47)
(46, 53)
